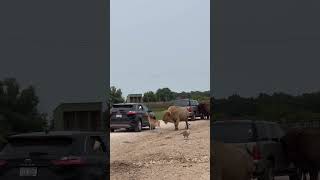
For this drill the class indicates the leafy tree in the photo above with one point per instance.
(149, 97)
(115, 95)
(279, 107)
(165, 94)
(18, 108)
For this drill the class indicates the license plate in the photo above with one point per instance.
(28, 171)
(119, 116)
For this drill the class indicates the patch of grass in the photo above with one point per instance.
(159, 114)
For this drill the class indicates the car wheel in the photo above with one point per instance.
(138, 126)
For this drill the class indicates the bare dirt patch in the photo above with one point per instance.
(162, 153)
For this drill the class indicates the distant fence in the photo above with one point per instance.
(159, 105)
(166, 105)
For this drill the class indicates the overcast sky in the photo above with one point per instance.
(160, 43)
(266, 46)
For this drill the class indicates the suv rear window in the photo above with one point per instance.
(182, 103)
(233, 132)
(39, 145)
(124, 106)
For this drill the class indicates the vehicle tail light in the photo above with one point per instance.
(3, 163)
(132, 113)
(189, 109)
(69, 161)
(256, 153)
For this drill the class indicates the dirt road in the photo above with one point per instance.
(162, 153)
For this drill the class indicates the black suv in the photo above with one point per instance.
(192, 106)
(55, 155)
(131, 116)
(262, 140)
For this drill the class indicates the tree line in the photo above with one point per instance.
(160, 95)
(18, 108)
(273, 107)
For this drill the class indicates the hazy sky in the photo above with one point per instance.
(160, 43)
(266, 46)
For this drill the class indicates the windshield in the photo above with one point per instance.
(182, 103)
(233, 132)
(38, 145)
(194, 103)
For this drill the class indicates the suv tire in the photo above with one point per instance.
(138, 126)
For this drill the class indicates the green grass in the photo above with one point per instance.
(159, 114)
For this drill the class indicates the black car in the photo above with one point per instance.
(59, 155)
(192, 106)
(131, 116)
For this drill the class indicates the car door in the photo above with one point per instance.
(97, 157)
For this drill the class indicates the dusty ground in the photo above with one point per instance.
(162, 153)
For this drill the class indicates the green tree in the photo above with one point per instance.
(18, 108)
(165, 94)
(149, 97)
(115, 95)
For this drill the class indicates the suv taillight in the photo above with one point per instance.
(69, 161)
(132, 113)
(3, 163)
(189, 109)
(256, 153)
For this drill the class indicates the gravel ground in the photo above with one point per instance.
(162, 153)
